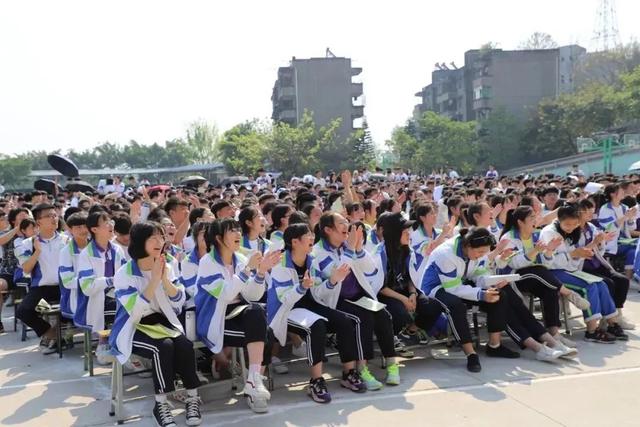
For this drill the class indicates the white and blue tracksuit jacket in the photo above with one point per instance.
(448, 269)
(189, 275)
(284, 290)
(93, 284)
(607, 217)
(327, 258)
(130, 284)
(217, 288)
(68, 272)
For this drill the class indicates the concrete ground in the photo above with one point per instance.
(599, 388)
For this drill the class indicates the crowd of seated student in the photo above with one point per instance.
(376, 264)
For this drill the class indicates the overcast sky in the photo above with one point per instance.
(74, 74)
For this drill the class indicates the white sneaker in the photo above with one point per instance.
(278, 366)
(257, 404)
(300, 351)
(567, 352)
(564, 340)
(578, 301)
(254, 387)
(547, 354)
(624, 322)
(103, 355)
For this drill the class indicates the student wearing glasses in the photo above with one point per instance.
(39, 256)
(454, 277)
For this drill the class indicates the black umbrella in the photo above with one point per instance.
(236, 179)
(78, 185)
(47, 185)
(377, 177)
(63, 165)
(193, 181)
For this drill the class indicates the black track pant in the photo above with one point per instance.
(26, 311)
(520, 322)
(426, 315)
(169, 356)
(539, 281)
(618, 284)
(316, 335)
(455, 309)
(367, 322)
(247, 327)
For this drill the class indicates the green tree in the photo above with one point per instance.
(364, 149)
(435, 141)
(14, 171)
(293, 150)
(629, 96)
(499, 141)
(243, 148)
(538, 40)
(201, 139)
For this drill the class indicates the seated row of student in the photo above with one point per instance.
(146, 322)
(620, 220)
(454, 278)
(39, 257)
(566, 264)
(228, 287)
(530, 255)
(598, 265)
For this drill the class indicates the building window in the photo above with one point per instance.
(482, 92)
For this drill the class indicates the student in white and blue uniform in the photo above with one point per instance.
(567, 263)
(227, 313)
(291, 307)
(68, 269)
(280, 221)
(97, 264)
(453, 278)
(616, 217)
(147, 324)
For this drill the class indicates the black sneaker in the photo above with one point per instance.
(502, 351)
(353, 382)
(318, 390)
(617, 332)
(599, 336)
(162, 415)
(473, 363)
(192, 411)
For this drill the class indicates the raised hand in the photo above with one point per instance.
(307, 280)
(340, 273)
(269, 260)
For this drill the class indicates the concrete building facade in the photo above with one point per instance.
(515, 80)
(323, 86)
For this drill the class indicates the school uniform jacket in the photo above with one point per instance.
(327, 258)
(561, 259)
(45, 271)
(520, 259)
(448, 269)
(607, 218)
(264, 245)
(216, 289)
(284, 290)
(416, 268)
(68, 273)
(130, 284)
(276, 240)
(189, 275)
(93, 284)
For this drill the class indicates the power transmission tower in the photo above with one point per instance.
(605, 33)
